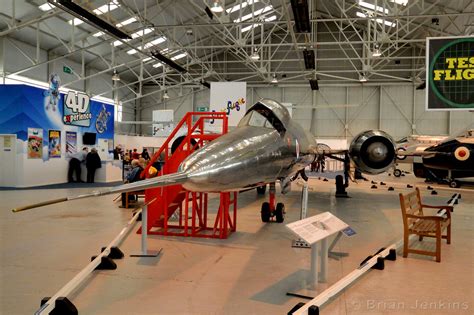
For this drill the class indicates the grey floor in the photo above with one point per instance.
(249, 273)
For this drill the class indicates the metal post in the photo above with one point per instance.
(304, 202)
(314, 266)
(324, 260)
(145, 252)
(304, 209)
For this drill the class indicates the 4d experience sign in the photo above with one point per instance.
(450, 73)
(77, 109)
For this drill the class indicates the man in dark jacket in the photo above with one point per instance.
(75, 165)
(93, 162)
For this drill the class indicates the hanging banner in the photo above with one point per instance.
(450, 73)
(54, 143)
(71, 142)
(231, 98)
(35, 143)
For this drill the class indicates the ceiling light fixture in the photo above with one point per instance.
(115, 76)
(166, 96)
(255, 55)
(274, 79)
(217, 7)
(376, 52)
(362, 78)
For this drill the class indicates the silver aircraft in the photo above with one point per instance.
(267, 146)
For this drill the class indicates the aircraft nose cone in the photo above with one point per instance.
(377, 151)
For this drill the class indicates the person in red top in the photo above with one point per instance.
(135, 155)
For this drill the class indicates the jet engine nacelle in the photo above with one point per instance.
(373, 151)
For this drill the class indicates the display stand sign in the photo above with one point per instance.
(317, 227)
(316, 230)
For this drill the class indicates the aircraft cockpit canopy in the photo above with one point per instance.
(261, 116)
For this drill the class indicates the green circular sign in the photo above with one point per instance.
(452, 86)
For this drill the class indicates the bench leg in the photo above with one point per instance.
(438, 244)
(405, 244)
(448, 236)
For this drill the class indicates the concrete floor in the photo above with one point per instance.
(249, 273)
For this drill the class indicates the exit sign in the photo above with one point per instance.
(202, 109)
(66, 69)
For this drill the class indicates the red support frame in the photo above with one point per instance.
(192, 207)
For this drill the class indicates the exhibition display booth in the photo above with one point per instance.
(41, 128)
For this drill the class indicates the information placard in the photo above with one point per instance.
(317, 227)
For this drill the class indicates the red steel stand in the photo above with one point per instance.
(193, 212)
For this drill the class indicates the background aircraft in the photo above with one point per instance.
(448, 161)
(267, 146)
(413, 144)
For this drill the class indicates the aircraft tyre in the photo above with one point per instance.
(280, 212)
(265, 213)
(454, 184)
(397, 172)
(261, 189)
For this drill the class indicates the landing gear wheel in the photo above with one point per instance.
(454, 184)
(261, 189)
(265, 213)
(280, 212)
(397, 172)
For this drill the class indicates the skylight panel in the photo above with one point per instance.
(126, 22)
(98, 34)
(142, 32)
(179, 56)
(249, 27)
(238, 7)
(373, 7)
(380, 21)
(106, 8)
(99, 11)
(118, 42)
(46, 7)
(255, 14)
(157, 65)
(401, 2)
(152, 43)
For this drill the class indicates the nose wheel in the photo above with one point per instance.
(270, 211)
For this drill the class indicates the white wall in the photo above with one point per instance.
(392, 108)
(137, 142)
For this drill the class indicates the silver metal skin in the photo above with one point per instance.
(266, 146)
(251, 155)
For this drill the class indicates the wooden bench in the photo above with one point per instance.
(416, 222)
(138, 194)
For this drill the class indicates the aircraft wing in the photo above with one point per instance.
(160, 181)
(330, 151)
(402, 153)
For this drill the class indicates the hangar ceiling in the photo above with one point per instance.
(345, 36)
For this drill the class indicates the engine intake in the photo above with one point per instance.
(372, 151)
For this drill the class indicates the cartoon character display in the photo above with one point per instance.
(52, 94)
(101, 121)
